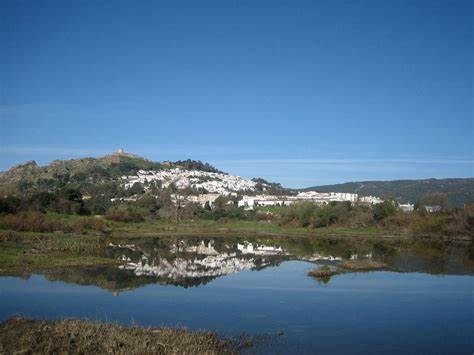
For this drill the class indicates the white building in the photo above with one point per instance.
(407, 207)
(433, 209)
(371, 200)
(319, 198)
(248, 248)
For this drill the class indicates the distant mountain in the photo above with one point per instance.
(458, 191)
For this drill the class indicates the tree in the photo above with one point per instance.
(71, 193)
(384, 209)
(43, 200)
(178, 207)
(10, 204)
(136, 189)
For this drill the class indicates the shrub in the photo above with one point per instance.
(301, 214)
(398, 220)
(10, 204)
(429, 224)
(123, 213)
(82, 210)
(360, 218)
(383, 210)
(43, 200)
(326, 215)
(98, 204)
(461, 221)
(220, 210)
(30, 222)
(89, 224)
(309, 214)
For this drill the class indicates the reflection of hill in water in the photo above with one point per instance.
(114, 279)
(196, 262)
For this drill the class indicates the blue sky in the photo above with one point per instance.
(301, 92)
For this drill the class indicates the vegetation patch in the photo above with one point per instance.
(323, 274)
(323, 271)
(26, 336)
(362, 265)
(24, 252)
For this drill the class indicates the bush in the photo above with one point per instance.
(82, 210)
(10, 204)
(42, 200)
(150, 203)
(463, 221)
(360, 217)
(98, 205)
(123, 213)
(89, 224)
(327, 215)
(220, 212)
(31, 222)
(300, 214)
(309, 214)
(384, 209)
(429, 224)
(397, 221)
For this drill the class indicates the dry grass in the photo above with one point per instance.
(21, 335)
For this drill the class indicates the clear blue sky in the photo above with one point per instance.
(301, 92)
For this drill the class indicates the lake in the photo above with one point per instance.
(424, 303)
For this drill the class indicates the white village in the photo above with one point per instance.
(209, 186)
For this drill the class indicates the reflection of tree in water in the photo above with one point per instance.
(323, 280)
(433, 257)
(106, 277)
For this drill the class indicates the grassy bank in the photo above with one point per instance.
(23, 252)
(99, 225)
(25, 336)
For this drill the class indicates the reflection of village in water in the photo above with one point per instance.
(202, 261)
(194, 261)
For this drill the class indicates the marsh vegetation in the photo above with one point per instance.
(26, 336)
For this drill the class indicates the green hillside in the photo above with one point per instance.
(458, 191)
(92, 175)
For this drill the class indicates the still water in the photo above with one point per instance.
(240, 289)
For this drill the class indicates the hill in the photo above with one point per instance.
(31, 177)
(114, 176)
(458, 191)
(123, 174)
